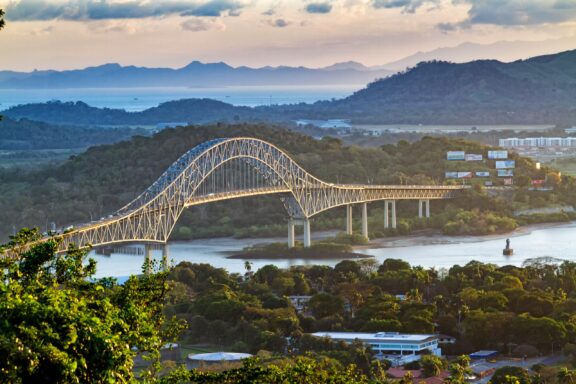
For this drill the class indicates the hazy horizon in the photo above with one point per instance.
(74, 34)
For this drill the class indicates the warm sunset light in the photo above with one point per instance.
(78, 33)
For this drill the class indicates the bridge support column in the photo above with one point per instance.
(307, 236)
(365, 220)
(389, 205)
(148, 258)
(165, 258)
(421, 204)
(291, 237)
(349, 223)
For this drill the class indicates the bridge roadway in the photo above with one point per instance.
(233, 168)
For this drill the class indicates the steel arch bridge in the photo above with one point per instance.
(231, 168)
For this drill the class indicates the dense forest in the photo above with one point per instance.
(104, 178)
(540, 90)
(26, 134)
(521, 312)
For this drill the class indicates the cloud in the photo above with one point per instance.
(107, 26)
(319, 8)
(79, 10)
(199, 24)
(511, 13)
(408, 6)
(216, 8)
(279, 23)
(42, 31)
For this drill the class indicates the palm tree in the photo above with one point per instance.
(566, 376)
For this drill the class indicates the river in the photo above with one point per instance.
(427, 251)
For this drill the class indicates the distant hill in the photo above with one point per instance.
(193, 111)
(506, 51)
(195, 74)
(26, 134)
(540, 90)
(537, 90)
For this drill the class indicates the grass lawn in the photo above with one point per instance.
(565, 165)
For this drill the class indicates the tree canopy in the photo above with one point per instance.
(60, 325)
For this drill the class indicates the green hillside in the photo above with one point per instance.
(26, 134)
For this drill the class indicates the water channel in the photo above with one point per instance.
(427, 251)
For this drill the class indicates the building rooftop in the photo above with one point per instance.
(390, 337)
(219, 356)
(483, 354)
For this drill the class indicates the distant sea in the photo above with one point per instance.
(138, 99)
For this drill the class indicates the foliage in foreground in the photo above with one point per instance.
(302, 370)
(59, 325)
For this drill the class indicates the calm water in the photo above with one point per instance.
(439, 251)
(138, 99)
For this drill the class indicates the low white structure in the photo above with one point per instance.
(300, 303)
(214, 358)
(332, 123)
(515, 142)
(397, 347)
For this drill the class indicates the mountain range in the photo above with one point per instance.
(195, 74)
(539, 90)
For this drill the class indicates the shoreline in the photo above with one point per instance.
(434, 237)
(298, 256)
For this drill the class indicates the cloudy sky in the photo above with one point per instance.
(65, 34)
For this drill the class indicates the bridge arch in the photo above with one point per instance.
(152, 215)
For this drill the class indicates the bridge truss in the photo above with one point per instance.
(231, 168)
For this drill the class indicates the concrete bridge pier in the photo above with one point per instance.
(349, 223)
(165, 257)
(365, 220)
(389, 207)
(291, 237)
(148, 258)
(421, 204)
(307, 234)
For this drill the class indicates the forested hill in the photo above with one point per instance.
(27, 134)
(105, 178)
(194, 111)
(540, 90)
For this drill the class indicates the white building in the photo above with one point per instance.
(215, 358)
(332, 123)
(397, 347)
(515, 142)
(300, 302)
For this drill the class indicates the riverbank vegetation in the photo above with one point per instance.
(338, 247)
(104, 178)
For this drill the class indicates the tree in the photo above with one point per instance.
(302, 370)
(60, 325)
(566, 376)
(509, 374)
(459, 369)
(324, 304)
(432, 365)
